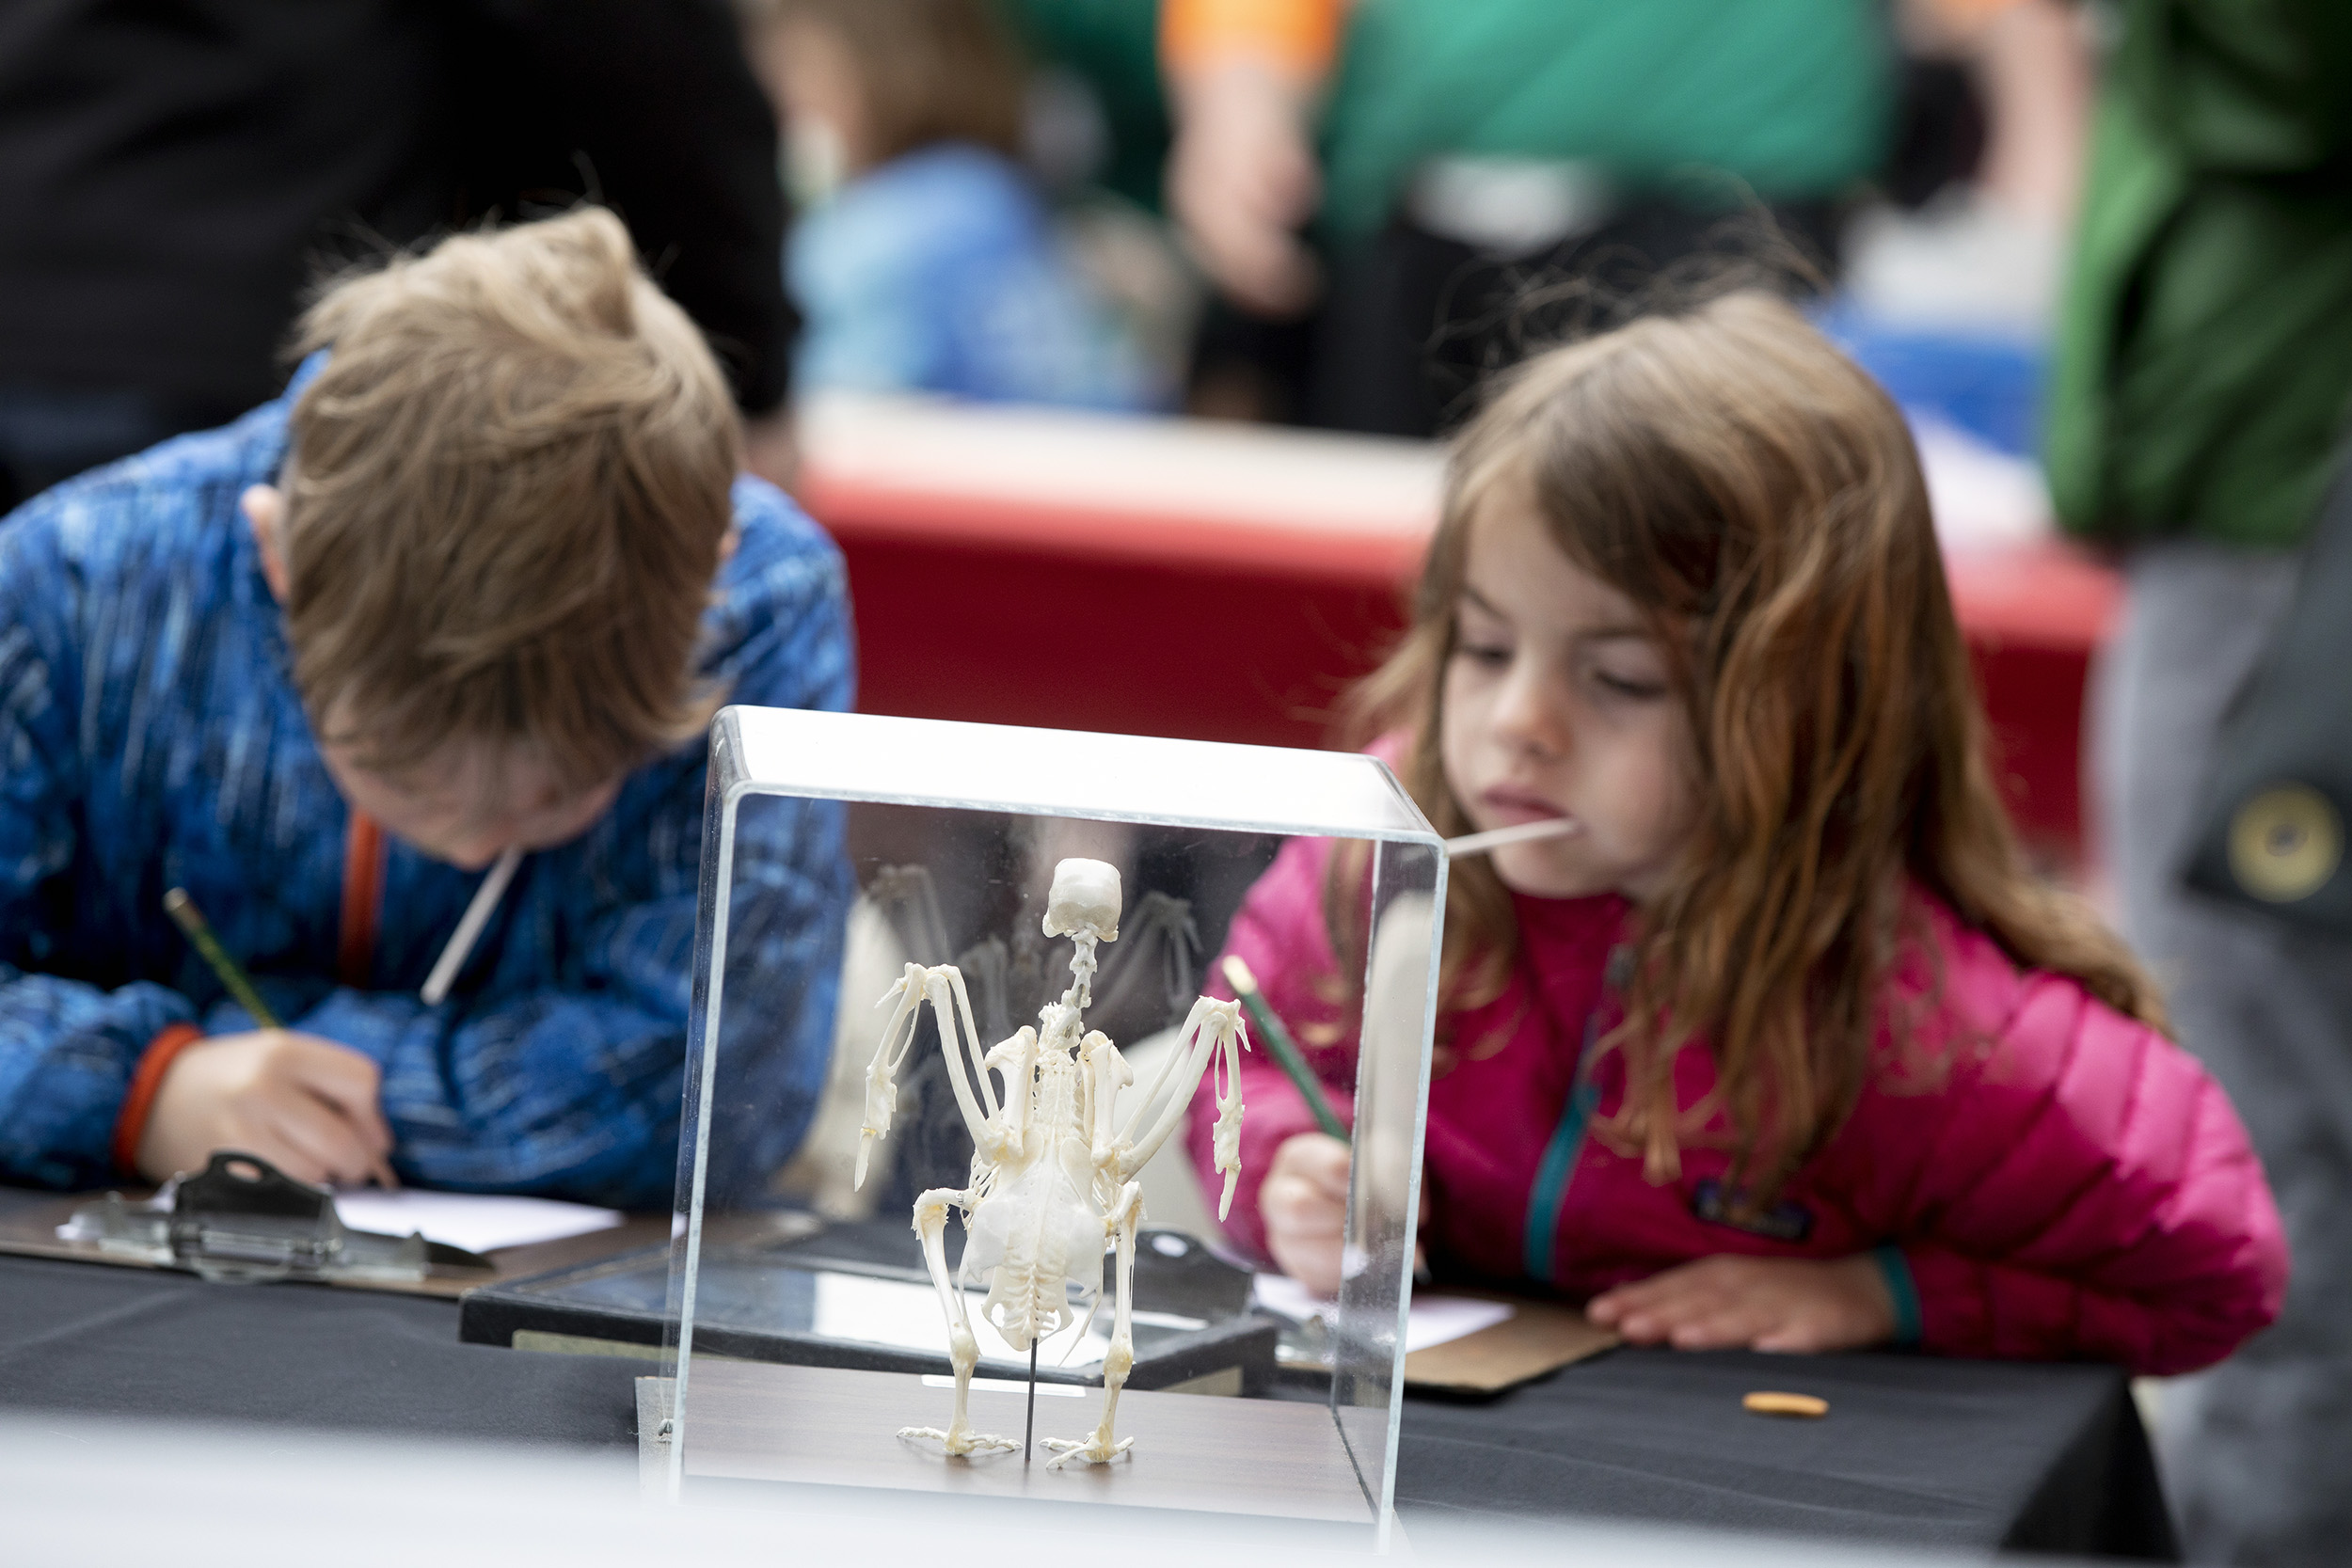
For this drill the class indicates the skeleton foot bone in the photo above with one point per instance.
(958, 1443)
(1091, 1450)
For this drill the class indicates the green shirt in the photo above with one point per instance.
(2204, 379)
(1790, 98)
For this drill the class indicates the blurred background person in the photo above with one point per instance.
(1391, 173)
(173, 173)
(1950, 284)
(925, 259)
(2203, 398)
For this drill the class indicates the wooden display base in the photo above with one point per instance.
(756, 1421)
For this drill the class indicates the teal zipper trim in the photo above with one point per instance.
(1558, 1166)
(1896, 1270)
(1551, 1179)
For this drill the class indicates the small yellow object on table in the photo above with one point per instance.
(1787, 1404)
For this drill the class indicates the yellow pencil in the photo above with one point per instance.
(190, 919)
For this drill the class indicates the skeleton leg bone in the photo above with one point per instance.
(1101, 1449)
(963, 1351)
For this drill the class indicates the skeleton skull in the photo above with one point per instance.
(1084, 901)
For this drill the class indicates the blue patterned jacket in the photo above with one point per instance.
(150, 737)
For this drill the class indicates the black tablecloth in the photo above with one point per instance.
(1964, 1455)
(102, 1340)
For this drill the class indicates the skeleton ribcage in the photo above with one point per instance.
(1038, 1233)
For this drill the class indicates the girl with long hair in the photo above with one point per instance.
(1781, 1045)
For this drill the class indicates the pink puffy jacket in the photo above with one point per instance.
(2073, 1185)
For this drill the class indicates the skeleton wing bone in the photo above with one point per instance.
(943, 986)
(1212, 1034)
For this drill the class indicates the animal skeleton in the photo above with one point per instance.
(1051, 1181)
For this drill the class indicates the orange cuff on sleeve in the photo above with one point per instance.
(1297, 36)
(131, 1124)
(1970, 13)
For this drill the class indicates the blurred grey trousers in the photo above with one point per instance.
(2257, 1453)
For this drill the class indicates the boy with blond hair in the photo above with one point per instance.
(470, 589)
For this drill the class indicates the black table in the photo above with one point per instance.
(1927, 1452)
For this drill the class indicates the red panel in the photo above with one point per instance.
(1016, 636)
(2034, 595)
(2033, 699)
(2033, 617)
(1136, 534)
(977, 608)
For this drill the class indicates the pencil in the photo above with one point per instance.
(1526, 833)
(190, 920)
(477, 915)
(1285, 1049)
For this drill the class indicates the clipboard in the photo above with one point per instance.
(1538, 1337)
(267, 1226)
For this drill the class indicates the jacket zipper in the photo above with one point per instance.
(1558, 1166)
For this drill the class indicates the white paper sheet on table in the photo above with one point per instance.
(476, 1221)
(902, 1313)
(1433, 1320)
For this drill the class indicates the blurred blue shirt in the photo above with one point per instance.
(938, 272)
(150, 737)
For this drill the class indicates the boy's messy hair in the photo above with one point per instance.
(508, 494)
(1761, 499)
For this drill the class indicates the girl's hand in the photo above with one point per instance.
(305, 1104)
(1774, 1304)
(1304, 1203)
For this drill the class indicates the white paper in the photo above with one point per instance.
(1283, 1294)
(901, 1312)
(1434, 1319)
(1008, 1385)
(475, 1221)
(1437, 1319)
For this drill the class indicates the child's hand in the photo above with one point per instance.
(305, 1104)
(1304, 1203)
(1775, 1303)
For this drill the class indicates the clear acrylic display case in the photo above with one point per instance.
(952, 830)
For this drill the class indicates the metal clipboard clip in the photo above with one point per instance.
(242, 1220)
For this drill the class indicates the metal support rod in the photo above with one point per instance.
(1029, 1433)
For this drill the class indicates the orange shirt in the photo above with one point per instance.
(1299, 36)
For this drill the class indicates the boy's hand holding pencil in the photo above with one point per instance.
(307, 1106)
